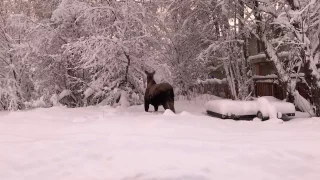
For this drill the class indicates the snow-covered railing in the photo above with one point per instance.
(212, 81)
(273, 76)
(262, 55)
(213, 86)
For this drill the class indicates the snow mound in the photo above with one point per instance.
(266, 108)
(256, 119)
(124, 100)
(185, 113)
(80, 120)
(168, 112)
(54, 100)
(274, 121)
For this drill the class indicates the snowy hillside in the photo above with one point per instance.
(104, 143)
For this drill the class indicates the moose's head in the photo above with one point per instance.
(150, 76)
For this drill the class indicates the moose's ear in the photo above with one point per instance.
(147, 73)
(153, 73)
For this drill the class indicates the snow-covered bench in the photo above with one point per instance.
(264, 108)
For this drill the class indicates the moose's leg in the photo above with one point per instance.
(171, 106)
(155, 108)
(165, 105)
(146, 106)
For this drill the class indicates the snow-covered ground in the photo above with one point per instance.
(104, 143)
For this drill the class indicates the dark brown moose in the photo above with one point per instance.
(158, 94)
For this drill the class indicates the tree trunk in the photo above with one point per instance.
(230, 79)
(128, 65)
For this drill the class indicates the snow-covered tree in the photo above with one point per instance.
(113, 49)
(188, 29)
(15, 84)
(291, 26)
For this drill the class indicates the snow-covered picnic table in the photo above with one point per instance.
(264, 108)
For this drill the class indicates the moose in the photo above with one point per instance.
(158, 94)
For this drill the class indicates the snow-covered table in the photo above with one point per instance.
(264, 108)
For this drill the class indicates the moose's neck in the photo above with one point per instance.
(151, 83)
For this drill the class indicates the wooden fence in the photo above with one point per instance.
(221, 90)
(263, 86)
(270, 87)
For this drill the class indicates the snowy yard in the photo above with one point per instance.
(103, 143)
(87, 54)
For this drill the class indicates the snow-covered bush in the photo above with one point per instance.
(39, 103)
